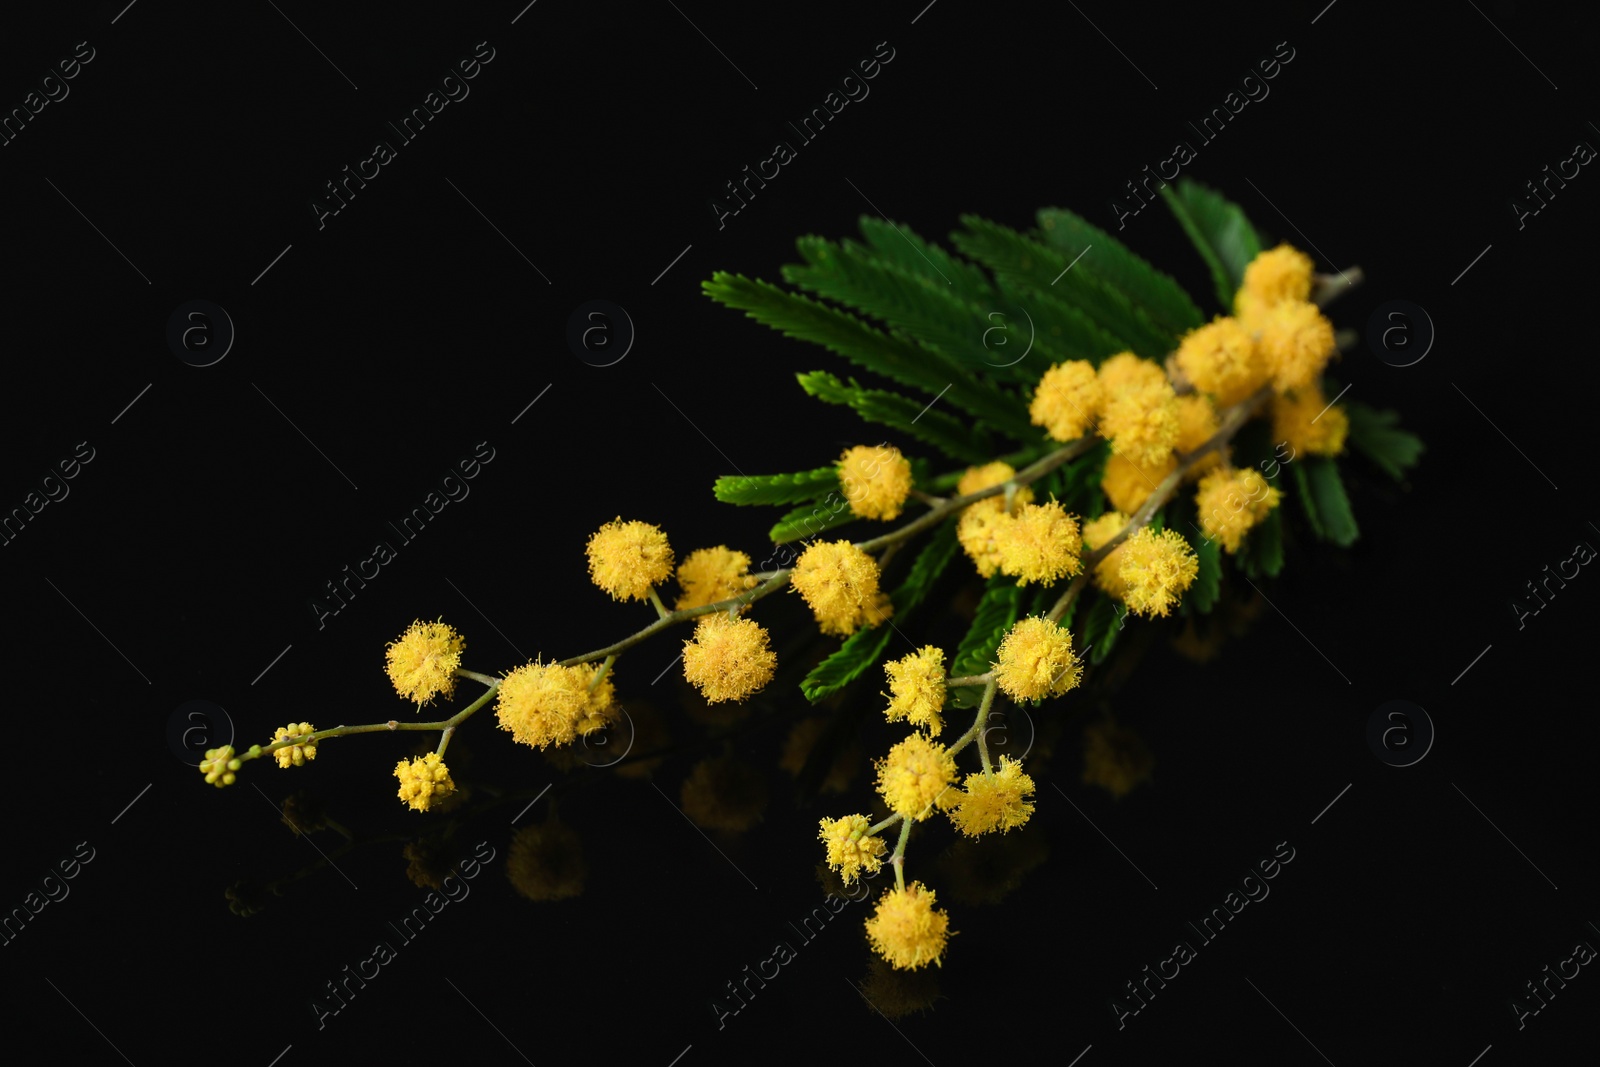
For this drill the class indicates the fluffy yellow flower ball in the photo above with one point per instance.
(1277, 275)
(1128, 373)
(295, 755)
(627, 559)
(1035, 660)
(1107, 573)
(710, 575)
(990, 474)
(851, 849)
(1221, 358)
(543, 703)
(914, 774)
(994, 800)
(422, 662)
(424, 780)
(1040, 543)
(916, 688)
(728, 659)
(1155, 569)
(1067, 400)
(1197, 424)
(876, 480)
(1304, 419)
(1127, 485)
(975, 530)
(907, 930)
(1231, 501)
(840, 584)
(599, 704)
(1142, 422)
(1297, 342)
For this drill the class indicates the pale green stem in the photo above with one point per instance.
(600, 675)
(982, 722)
(969, 679)
(885, 824)
(256, 751)
(899, 858)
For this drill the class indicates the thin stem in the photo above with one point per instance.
(485, 679)
(444, 741)
(376, 727)
(885, 824)
(969, 679)
(982, 722)
(661, 609)
(600, 675)
(968, 737)
(778, 580)
(899, 857)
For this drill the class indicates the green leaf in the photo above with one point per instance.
(956, 439)
(1374, 434)
(892, 355)
(926, 569)
(1045, 271)
(1101, 627)
(865, 647)
(1308, 500)
(1119, 267)
(1333, 505)
(1207, 585)
(860, 650)
(919, 305)
(776, 488)
(809, 520)
(1065, 327)
(1261, 555)
(1220, 231)
(996, 612)
(896, 243)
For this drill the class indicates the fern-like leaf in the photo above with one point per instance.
(940, 429)
(1114, 263)
(776, 488)
(1045, 272)
(892, 355)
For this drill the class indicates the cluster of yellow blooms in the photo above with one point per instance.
(1156, 420)
(1277, 342)
(919, 776)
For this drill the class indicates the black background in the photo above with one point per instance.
(382, 347)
